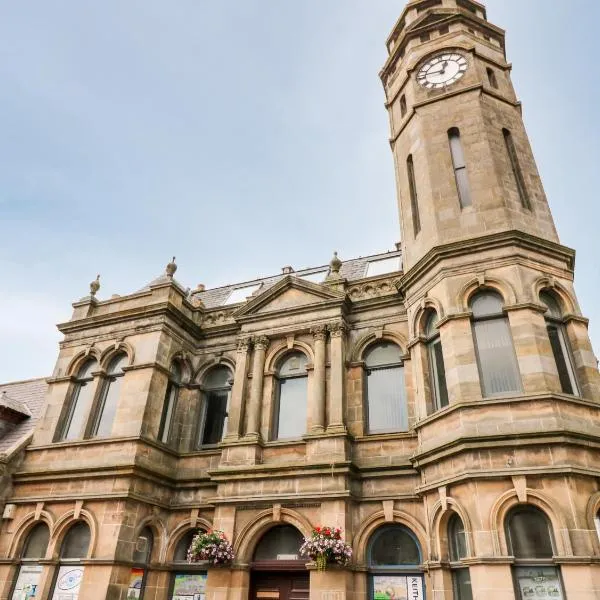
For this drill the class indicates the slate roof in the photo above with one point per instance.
(29, 395)
(351, 270)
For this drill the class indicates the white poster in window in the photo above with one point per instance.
(68, 583)
(541, 583)
(398, 587)
(28, 583)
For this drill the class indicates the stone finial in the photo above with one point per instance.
(335, 265)
(199, 288)
(95, 286)
(171, 268)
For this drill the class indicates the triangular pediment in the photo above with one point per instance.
(289, 293)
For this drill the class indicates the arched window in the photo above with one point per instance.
(142, 553)
(492, 78)
(81, 402)
(107, 408)
(457, 546)
(414, 199)
(460, 168)
(280, 543)
(30, 571)
(394, 558)
(213, 415)
(169, 406)
(289, 414)
(74, 548)
(437, 371)
(403, 108)
(529, 539)
(187, 579)
(560, 344)
(493, 341)
(386, 406)
(513, 157)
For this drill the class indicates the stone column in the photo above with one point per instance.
(338, 367)
(236, 404)
(317, 409)
(261, 344)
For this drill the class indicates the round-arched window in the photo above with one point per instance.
(528, 533)
(37, 542)
(279, 543)
(80, 402)
(187, 580)
(33, 550)
(290, 409)
(183, 545)
(170, 404)
(386, 407)
(213, 416)
(76, 543)
(111, 391)
(437, 370)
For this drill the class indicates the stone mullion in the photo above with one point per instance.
(317, 403)
(336, 395)
(261, 344)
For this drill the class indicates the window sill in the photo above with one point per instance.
(390, 436)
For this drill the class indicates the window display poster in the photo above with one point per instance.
(189, 586)
(541, 583)
(28, 583)
(136, 579)
(68, 583)
(398, 587)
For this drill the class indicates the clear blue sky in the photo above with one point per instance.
(240, 136)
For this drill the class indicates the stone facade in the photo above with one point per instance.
(478, 455)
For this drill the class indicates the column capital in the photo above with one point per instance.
(319, 332)
(337, 328)
(260, 342)
(244, 343)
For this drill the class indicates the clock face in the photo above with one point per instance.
(442, 71)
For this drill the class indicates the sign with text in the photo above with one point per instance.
(398, 587)
(28, 583)
(541, 583)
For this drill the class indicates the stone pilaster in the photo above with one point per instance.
(317, 401)
(261, 343)
(337, 332)
(236, 404)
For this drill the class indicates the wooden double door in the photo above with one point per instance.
(290, 585)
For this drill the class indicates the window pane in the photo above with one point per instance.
(458, 157)
(431, 324)
(530, 579)
(386, 400)
(216, 411)
(497, 361)
(485, 304)
(87, 369)
(37, 542)
(283, 541)
(143, 546)
(516, 168)
(82, 400)
(117, 364)
(414, 201)
(109, 407)
(554, 309)
(457, 538)
(293, 364)
(529, 534)
(383, 354)
(183, 545)
(394, 546)
(461, 579)
(168, 412)
(563, 360)
(462, 183)
(218, 377)
(291, 420)
(438, 373)
(76, 542)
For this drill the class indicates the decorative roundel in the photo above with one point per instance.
(442, 70)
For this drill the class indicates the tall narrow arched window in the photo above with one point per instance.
(142, 553)
(394, 559)
(30, 571)
(216, 389)
(457, 545)
(289, 413)
(513, 157)
(414, 200)
(498, 367)
(460, 168)
(403, 108)
(188, 580)
(560, 344)
(529, 539)
(80, 402)
(73, 550)
(492, 78)
(437, 371)
(107, 407)
(170, 404)
(386, 407)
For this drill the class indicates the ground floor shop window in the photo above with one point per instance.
(539, 583)
(395, 571)
(186, 583)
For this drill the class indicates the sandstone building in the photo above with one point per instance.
(440, 403)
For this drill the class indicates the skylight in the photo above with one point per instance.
(383, 266)
(241, 294)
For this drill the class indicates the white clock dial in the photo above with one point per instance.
(442, 71)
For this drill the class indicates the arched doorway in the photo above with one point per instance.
(278, 573)
(395, 569)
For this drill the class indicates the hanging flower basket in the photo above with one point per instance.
(325, 546)
(212, 547)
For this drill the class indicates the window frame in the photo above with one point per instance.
(206, 390)
(433, 339)
(453, 527)
(177, 567)
(109, 378)
(276, 411)
(457, 151)
(515, 164)
(167, 418)
(74, 396)
(30, 562)
(414, 195)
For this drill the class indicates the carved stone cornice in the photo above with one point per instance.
(337, 328)
(319, 332)
(260, 342)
